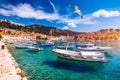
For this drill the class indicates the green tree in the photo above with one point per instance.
(38, 37)
(9, 32)
(0, 30)
(1, 37)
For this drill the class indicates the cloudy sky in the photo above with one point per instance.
(97, 14)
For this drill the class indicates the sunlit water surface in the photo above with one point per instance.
(45, 65)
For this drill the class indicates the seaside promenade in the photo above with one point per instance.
(9, 69)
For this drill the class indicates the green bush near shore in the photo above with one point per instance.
(1, 37)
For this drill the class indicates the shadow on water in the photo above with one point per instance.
(71, 66)
(32, 51)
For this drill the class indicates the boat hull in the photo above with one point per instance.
(78, 57)
(21, 47)
(64, 47)
(45, 45)
(34, 49)
(88, 49)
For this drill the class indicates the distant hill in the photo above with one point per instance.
(49, 30)
(37, 28)
(104, 34)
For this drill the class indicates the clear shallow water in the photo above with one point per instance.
(45, 65)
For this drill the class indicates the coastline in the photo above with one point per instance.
(9, 68)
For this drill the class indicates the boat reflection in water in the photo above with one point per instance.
(35, 49)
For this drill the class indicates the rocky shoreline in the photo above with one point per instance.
(9, 68)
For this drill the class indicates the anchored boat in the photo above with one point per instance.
(23, 44)
(91, 47)
(80, 56)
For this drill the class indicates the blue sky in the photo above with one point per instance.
(97, 14)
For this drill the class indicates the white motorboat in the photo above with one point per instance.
(23, 44)
(64, 47)
(80, 56)
(44, 43)
(92, 47)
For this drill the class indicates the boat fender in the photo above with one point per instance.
(72, 57)
(84, 57)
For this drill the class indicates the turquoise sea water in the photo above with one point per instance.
(45, 65)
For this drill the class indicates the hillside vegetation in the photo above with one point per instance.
(37, 28)
(104, 34)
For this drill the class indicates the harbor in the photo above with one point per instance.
(46, 65)
(37, 61)
(59, 40)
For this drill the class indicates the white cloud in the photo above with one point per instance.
(55, 10)
(71, 24)
(76, 21)
(27, 11)
(105, 13)
(66, 27)
(5, 12)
